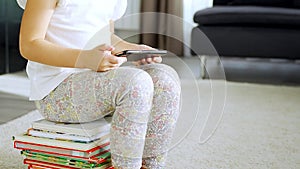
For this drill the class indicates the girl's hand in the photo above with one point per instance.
(99, 59)
(122, 45)
(150, 60)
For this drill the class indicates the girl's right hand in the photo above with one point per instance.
(99, 59)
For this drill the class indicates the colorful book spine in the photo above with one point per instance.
(47, 149)
(67, 161)
(59, 150)
(40, 164)
(61, 143)
(103, 157)
(94, 159)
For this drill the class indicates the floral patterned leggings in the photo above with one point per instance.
(145, 106)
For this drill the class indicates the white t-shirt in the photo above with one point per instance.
(74, 24)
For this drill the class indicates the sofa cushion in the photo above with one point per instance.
(278, 3)
(274, 3)
(247, 15)
(297, 3)
(255, 42)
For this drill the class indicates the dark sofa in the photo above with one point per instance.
(248, 28)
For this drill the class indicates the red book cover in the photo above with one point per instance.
(71, 145)
(45, 164)
(90, 153)
(38, 167)
(48, 165)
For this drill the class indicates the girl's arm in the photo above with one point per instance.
(34, 47)
(121, 44)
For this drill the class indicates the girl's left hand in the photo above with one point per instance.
(150, 60)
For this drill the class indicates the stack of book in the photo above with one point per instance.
(54, 145)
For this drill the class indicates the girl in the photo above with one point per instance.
(72, 84)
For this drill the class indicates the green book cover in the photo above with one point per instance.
(78, 163)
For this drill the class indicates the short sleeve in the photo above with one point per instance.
(120, 9)
(22, 3)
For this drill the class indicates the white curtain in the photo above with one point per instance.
(189, 9)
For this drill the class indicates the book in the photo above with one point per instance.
(24, 138)
(38, 164)
(64, 136)
(41, 164)
(37, 167)
(66, 161)
(91, 154)
(84, 129)
(96, 159)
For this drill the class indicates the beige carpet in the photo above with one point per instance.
(259, 129)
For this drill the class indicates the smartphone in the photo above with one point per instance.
(135, 55)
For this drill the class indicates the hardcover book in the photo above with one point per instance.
(95, 159)
(66, 161)
(83, 129)
(52, 146)
(61, 143)
(40, 164)
(67, 137)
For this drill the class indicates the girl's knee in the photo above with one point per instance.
(163, 73)
(126, 77)
(141, 78)
(136, 83)
(134, 96)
